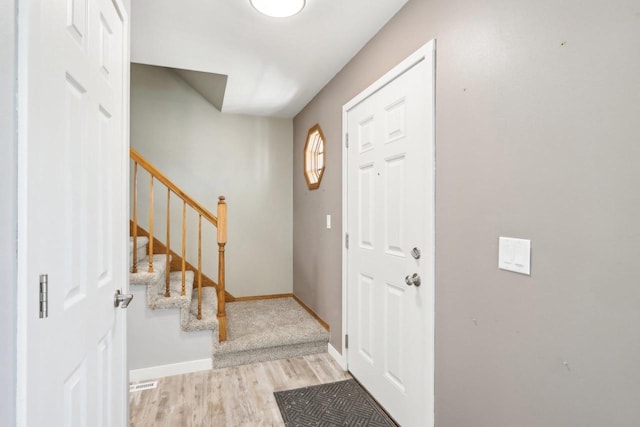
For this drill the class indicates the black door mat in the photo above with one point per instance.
(343, 403)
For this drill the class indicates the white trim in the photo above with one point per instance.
(426, 51)
(345, 265)
(409, 62)
(181, 368)
(339, 358)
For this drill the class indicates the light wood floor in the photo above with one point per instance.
(230, 397)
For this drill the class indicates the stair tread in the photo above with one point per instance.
(209, 319)
(268, 324)
(260, 331)
(144, 277)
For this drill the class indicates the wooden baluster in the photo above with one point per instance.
(167, 272)
(222, 241)
(134, 267)
(199, 267)
(151, 226)
(184, 247)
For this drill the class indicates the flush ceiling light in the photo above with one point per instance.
(278, 8)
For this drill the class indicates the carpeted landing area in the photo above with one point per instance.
(342, 403)
(270, 329)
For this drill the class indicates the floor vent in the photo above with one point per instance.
(143, 386)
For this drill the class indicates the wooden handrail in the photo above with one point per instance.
(135, 156)
(220, 222)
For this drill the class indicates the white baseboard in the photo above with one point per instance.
(154, 372)
(342, 361)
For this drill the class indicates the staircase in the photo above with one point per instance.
(175, 291)
(258, 330)
(187, 303)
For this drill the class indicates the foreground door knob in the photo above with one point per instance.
(121, 300)
(413, 279)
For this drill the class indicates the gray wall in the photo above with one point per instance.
(208, 153)
(537, 107)
(8, 207)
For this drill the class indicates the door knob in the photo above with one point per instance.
(413, 279)
(122, 300)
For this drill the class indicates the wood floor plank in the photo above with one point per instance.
(235, 396)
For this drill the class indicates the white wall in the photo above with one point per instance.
(154, 337)
(207, 153)
(8, 191)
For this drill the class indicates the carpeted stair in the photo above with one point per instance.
(268, 329)
(257, 331)
(188, 303)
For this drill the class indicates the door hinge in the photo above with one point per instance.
(44, 296)
(347, 140)
(346, 341)
(346, 240)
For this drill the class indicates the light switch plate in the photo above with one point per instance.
(514, 255)
(328, 221)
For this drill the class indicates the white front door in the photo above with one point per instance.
(73, 157)
(390, 223)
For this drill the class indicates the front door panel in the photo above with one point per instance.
(390, 206)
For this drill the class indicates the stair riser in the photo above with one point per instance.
(142, 243)
(142, 255)
(267, 354)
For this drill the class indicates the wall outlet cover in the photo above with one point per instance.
(514, 255)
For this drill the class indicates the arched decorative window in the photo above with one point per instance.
(314, 151)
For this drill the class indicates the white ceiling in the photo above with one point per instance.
(275, 66)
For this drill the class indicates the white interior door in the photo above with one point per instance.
(390, 211)
(73, 151)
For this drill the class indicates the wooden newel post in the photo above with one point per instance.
(222, 241)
